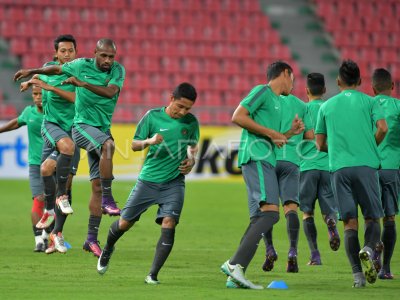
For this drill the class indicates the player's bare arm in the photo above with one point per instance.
(139, 145)
(11, 125)
(50, 70)
(69, 96)
(104, 91)
(321, 142)
(187, 164)
(241, 117)
(381, 130)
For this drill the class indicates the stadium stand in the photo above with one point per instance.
(365, 31)
(222, 47)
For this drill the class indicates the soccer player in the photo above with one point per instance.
(347, 121)
(287, 173)
(389, 151)
(59, 109)
(315, 182)
(171, 133)
(259, 114)
(32, 117)
(98, 84)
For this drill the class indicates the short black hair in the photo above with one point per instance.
(276, 68)
(349, 72)
(185, 90)
(64, 38)
(106, 42)
(316, 83)
(381, 80)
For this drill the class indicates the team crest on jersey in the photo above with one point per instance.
(184, 131)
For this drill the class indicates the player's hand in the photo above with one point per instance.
(23, 73)
(186, 166)
(297, 125)
(156, 139)
(278, 139)
(74, 81)
(24, 86)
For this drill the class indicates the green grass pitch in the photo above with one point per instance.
(213, 220)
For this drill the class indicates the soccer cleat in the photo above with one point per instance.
(230, 284)
(50, 248)
(334, 238)
(46, 220)
(359, 280)
(58, 240)
(315, 259)
(376, 256)
(151, 279)
(39, 247)
(109, 207)
(365, 257)
(292, 266)
(64, 205)
(270, 258)
(104, 260)
(385, 275)
(92, 246)
(237, 274)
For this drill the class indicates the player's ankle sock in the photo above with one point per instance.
(163, 249)
(311, 233)
(249, 244)
(62, 171)
(36, 231)
(352, 246)
(389, 237)
(49, 191)
(106, 187)
(293, 228)
(114, 233)
(93, 227)
(372, 234)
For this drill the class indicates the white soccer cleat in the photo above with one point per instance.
(237, 274)
(63, 203)
(58, 241)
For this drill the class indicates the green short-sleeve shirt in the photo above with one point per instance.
(57, 109)
(291, 105)
(162, 161)
(311, 158)
(389, 148)
(349, 120)
(90, 108)
(33, 119)
(265, 109)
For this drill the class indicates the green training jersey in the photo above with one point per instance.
(265, 109)
(57, 109)
(291, 105)
(349, 120)
(90, 108)
(162, 160)
(33, 119)
(311, 158)
(389, 148)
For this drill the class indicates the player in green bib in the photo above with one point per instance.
(32, 117)
(315, 180)
(260, 116)
(389, 151)
(171, 133)
(98, 83)
(288, 174)
(345, 128)
(57, 170)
